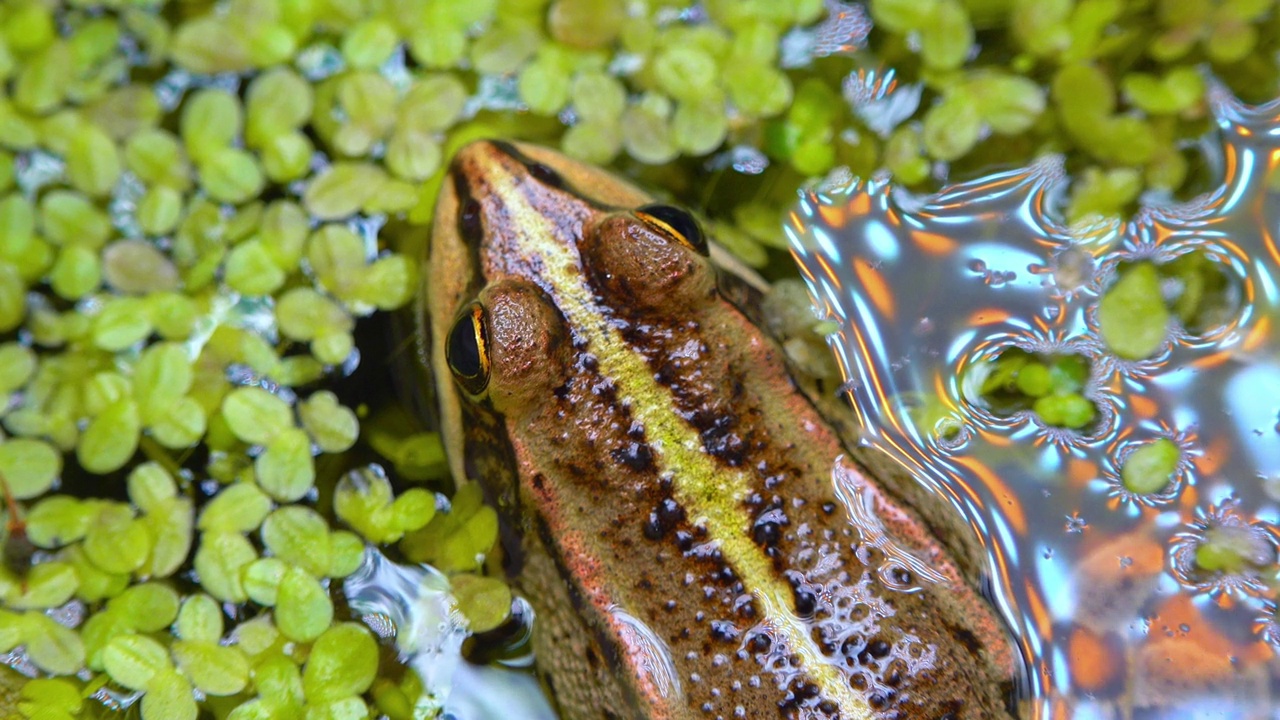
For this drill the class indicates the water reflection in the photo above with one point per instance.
(412, 607)
(1101, 584)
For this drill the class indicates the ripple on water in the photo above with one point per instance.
(1156, 603)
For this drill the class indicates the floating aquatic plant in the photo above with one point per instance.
(201, 202)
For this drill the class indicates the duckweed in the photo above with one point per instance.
(342, 664)
(303, 607)
(198, 205)
(199, 618)
(1050, 386)
(1132, 316)
(1150, 467)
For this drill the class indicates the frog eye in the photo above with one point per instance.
(676, 222)
(467, 350)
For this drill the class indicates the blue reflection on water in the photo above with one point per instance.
(1098, 583)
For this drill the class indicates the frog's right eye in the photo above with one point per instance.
(675, 222)
(467, 350)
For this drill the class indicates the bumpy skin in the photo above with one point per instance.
(666, 490)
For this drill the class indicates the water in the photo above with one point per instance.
(1099, 584)
(413, 605)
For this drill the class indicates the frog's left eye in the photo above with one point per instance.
(676, 222)
(467, 350)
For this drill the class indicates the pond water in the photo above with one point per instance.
(1109, 592)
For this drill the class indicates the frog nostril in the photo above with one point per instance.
(470, 225)
(545, 175)
(538, 171)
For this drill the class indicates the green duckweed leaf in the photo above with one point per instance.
(251, 270)
(47, 585)
(210, 121)
(168, 697)
(30, 467)
(333, 427)
(214, 669)
(1132, 316)
(199, 618)
(134, 661)
(171, 532)
(299, 536)
(952, 127)
(484, 601)
(137, 266)
(347, 551)
(303, 607)
(261, 579)
(58, 520)
(111, 438)
(116, 541)
(149, 485)
(53, 648)
(1150, 467)
(147, 607)
(458, 540)
(259, 636)
(255, 415)
(343, 662)
(95, 583)
(53, 695)
(285, 469)
(219, 561)
(123, 322)
(238, 508)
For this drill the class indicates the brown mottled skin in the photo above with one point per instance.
(605, 528)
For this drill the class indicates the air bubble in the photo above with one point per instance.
(1075, 523)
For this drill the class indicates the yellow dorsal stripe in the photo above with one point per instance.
(708, 492)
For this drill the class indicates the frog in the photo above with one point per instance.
(696, 536)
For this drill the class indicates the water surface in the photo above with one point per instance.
(1099, 584)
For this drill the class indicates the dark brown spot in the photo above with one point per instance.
(663, 518)
(966, 638)
(761, 643)
(635, 455)
(878, 648)
(806, 603)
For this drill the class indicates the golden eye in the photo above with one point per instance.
(467, 350)
(676, 222)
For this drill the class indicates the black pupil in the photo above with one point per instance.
(679, 220)
(464, 347)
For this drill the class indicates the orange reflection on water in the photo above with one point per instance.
(1258, 336)
(1143, 407)
(877, 289)
(988, 316)
(1013, 511)
(934, 243)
